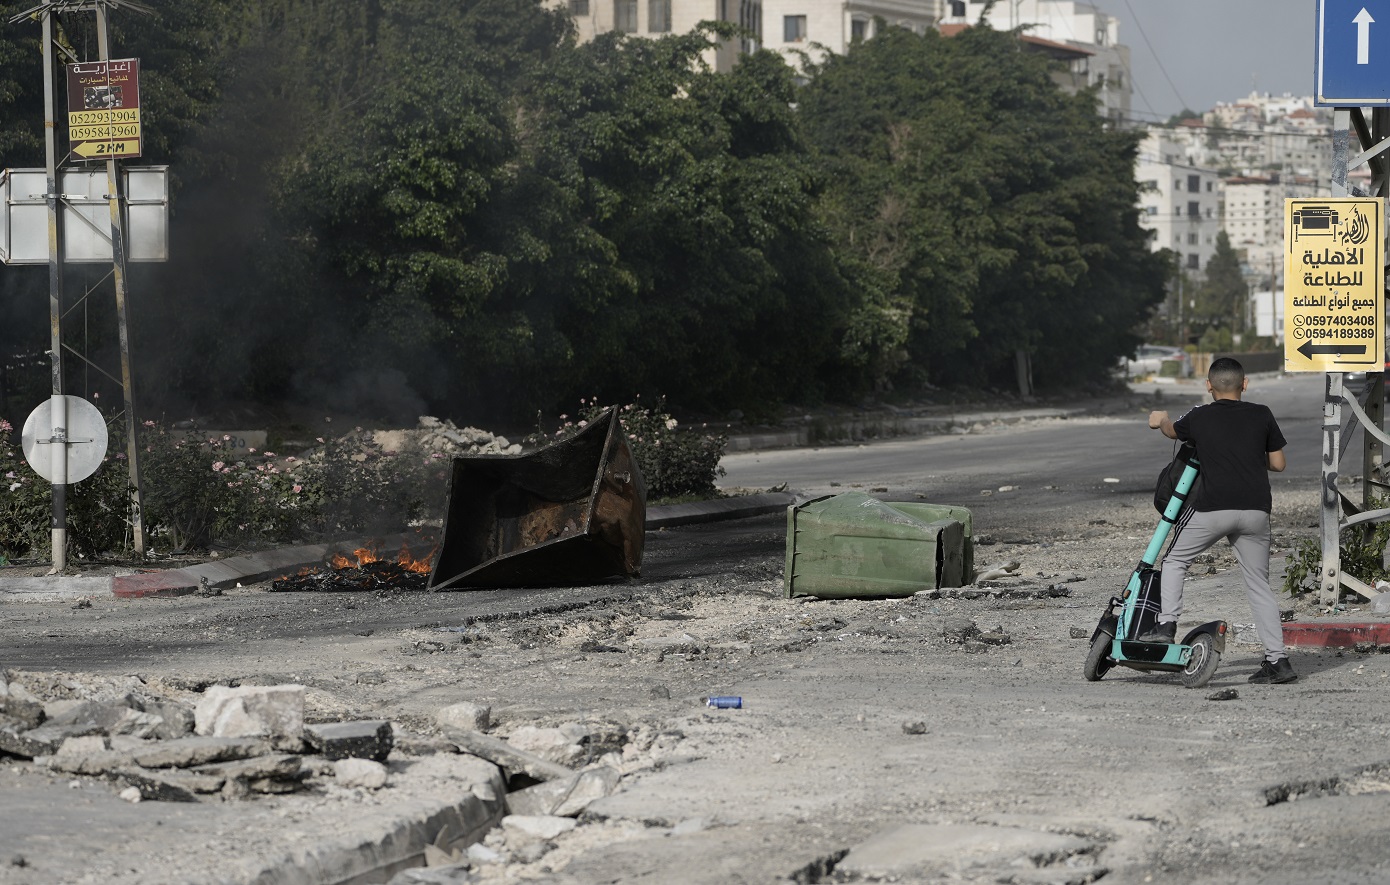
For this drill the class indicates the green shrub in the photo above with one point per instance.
(675, 462)
(1362, 554)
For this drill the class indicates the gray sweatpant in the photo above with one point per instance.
(1248, 532)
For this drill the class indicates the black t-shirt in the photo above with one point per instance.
(1232, 440)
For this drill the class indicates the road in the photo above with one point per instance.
(860, 716)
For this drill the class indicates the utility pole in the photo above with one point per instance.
(58, 403)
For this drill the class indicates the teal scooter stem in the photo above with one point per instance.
(1114, 640)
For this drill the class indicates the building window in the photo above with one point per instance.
(793, 28)
(1194, 261)
(1209, 184)
(658, 16)
(625, 16)
(1194, 184)
(858, 30)
(1192, 239)
(1194, 210)
(579, 7)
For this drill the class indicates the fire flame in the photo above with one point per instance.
(364, 555)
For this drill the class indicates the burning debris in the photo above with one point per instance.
(366, 570)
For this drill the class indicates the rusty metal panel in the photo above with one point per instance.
(569, 513)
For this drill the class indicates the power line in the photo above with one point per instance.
(1142, 33)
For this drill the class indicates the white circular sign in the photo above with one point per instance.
(86, 439)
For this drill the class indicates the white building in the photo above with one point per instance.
(1072, 24)
(657, 18)
(1253, 218)
(1180, 203)
(816, 27)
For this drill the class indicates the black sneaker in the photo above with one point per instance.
(1166, 633)
(1277, 673)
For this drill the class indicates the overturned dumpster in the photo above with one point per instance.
(853, 545)
(569, 513)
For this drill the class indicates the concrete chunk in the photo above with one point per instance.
(504, 755)
(928, 850)
(154, 785)
(368, 739)
(560, 745)
(590, 785)
(190, 751)
(280, 766)
(274, 711)
(91, 762)
(18, 703)
(466, 715)
(522, 828)
(360, 773)
(42, 741)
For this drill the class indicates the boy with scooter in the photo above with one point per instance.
(1238, 444)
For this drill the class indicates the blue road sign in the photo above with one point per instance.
(1352, 65)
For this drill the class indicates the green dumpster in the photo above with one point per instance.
(853, 545)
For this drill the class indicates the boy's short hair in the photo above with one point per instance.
(1226, 375)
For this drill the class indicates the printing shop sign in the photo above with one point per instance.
(1334, 285)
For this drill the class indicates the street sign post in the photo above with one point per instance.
(1351, 67)
(1334, 292)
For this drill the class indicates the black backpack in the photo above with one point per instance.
(1167, 483)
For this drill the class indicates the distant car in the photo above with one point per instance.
(1149, 360)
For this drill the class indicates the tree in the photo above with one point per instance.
(1222, 293)
(995, 211)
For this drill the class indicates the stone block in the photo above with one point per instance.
(154, 785)
(560, 745)
(466, 715)
(190, 751)
(539, 799)
(595, 783)
(931, 851)
(273, 711)
(523, 828)
(505, 756)
(360, 773)
(16, 702)
(278, 766)
(92, 762)
(369, 739)
(42, 741)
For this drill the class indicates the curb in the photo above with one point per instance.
(256, 567)
(1343, 635)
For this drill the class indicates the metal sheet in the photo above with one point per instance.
(572, 512)
(86, 215)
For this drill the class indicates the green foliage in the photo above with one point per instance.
(1223, 291)
(676, 462)
(1362, 555)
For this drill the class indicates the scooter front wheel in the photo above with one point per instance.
(1098, 661)
(1201, 666)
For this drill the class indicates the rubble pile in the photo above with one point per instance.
(234, 743)
(378, 576)
(436, 436)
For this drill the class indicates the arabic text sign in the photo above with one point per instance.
(104, 109)
(1334, 299)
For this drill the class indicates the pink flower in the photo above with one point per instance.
(298, 489)
(267, 454)
(583, 423)
(148, 423)
(218, 465)
(252, 450)
(226, 438)
(564, 417)
(319, 438)
(5, 426)
(120, 456)
(9, 475)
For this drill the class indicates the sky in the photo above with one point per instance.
(1209, 51)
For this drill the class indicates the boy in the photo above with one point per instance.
(1237, 444)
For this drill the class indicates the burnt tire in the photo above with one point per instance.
(1098, 661)
(1201, 666)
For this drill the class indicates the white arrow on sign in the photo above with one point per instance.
(1363, 22)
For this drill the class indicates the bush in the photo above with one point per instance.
(675, 462)
(1362, 555)
(98, 508)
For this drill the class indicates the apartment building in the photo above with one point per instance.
(1180, 203)
(657, 18)
(1253, 218)
(818, 27)
(1066, 23)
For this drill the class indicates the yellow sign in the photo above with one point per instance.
(101, 150)
(1334, 285)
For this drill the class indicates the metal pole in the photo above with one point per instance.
(58, 404)
(1332, 404)
(113, 198)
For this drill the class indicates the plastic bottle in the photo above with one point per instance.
(724, 703)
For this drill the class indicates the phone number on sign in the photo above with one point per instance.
(1339, 319)
(1313, 334)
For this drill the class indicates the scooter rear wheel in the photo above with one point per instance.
(1098, 661)
(1201, 666)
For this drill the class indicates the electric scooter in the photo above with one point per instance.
(1129, 616)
